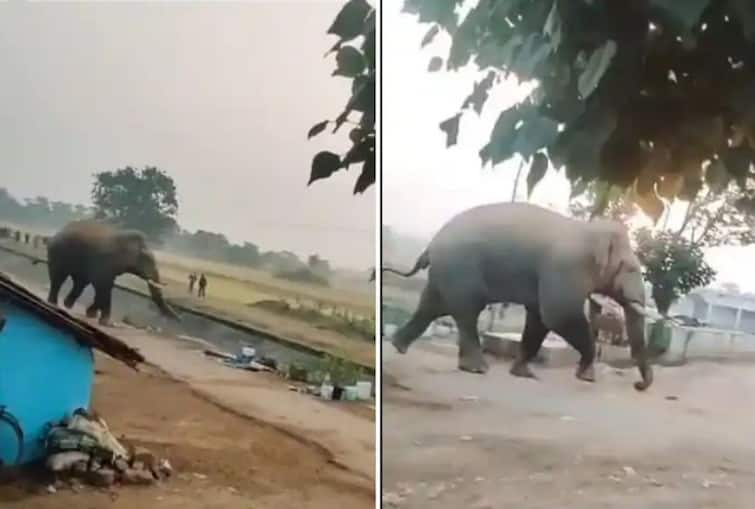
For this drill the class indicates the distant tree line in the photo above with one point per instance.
(45, 214)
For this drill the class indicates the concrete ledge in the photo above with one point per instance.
(691, 343)
(555, 352)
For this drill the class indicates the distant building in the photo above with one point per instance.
(719, 309)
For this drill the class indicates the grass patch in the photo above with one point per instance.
(335, 319)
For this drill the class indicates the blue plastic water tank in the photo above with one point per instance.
(45, 374)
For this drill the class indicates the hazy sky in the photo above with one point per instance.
(424, 184)
(219, 95)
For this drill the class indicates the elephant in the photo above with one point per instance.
(92, 252)
(548, 263)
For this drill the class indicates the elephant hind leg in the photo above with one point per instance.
(576, 331)
(57, 278)
(430, 307)
(75, 293)
(532, 339)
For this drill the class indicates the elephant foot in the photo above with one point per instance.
(68, 304)
(400, 346)
(105, 322)
(586, 373)
(522, 369)
(473, 364)
(91, 313)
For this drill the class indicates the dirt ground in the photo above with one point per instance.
(222, 459)
(452, 439)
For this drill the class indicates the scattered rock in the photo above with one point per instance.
(64, 461)
(629, 471)
(655, 482)
(121, 465)
(145, 457)
(138, 477)
(567, 418)
(51, 489)
(614, 478)
(469, 398)
(392, 499)
(672, 398)
(465, 438)
(104, 477)
(435, 491)
(199, 476)
(164, 469)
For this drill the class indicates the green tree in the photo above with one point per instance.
(141, 199)
(673, 265)
(637, 94)
(355, 60)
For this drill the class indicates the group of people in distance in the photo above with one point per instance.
(202, 287)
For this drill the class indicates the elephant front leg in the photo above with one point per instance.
(576, 331)
(103, 300)
(470, 350)
(532, 339)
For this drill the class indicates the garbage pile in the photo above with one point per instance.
(247, 359)
(82, 448)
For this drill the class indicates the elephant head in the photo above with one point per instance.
(137, 259)
(619, 276)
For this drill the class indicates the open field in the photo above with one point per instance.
(244, 295)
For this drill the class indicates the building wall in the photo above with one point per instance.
(45, 374)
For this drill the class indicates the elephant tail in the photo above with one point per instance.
(422, 263)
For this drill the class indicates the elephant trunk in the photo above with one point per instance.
(635, 322)
(155, 290)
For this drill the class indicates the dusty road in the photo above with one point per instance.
(453, 440)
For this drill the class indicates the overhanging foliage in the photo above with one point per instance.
(637, 94)
(355, 59)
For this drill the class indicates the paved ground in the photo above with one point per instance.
(452, 439)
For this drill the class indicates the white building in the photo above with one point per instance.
(719, 309)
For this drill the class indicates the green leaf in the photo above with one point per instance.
(435, 64)
(536, 133)
(317, 129)
(438, 11)
(552, 26)
(350, 20)
(716, 176)
(430, 35)
(366, 178)
(350, 62)
(537, 171)
(745, 12)
(687, 12)
(450, 126)
(596, 67)
(479, 93)
(532, 53)
(504, 133)
(324, 164)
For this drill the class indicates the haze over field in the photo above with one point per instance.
(219, 95)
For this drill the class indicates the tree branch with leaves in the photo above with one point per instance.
(635, 94)
(355, 59)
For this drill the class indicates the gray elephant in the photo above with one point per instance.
(546, 262)
(95, 253)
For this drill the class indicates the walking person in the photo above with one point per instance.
(192, 280)
(202, 287)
